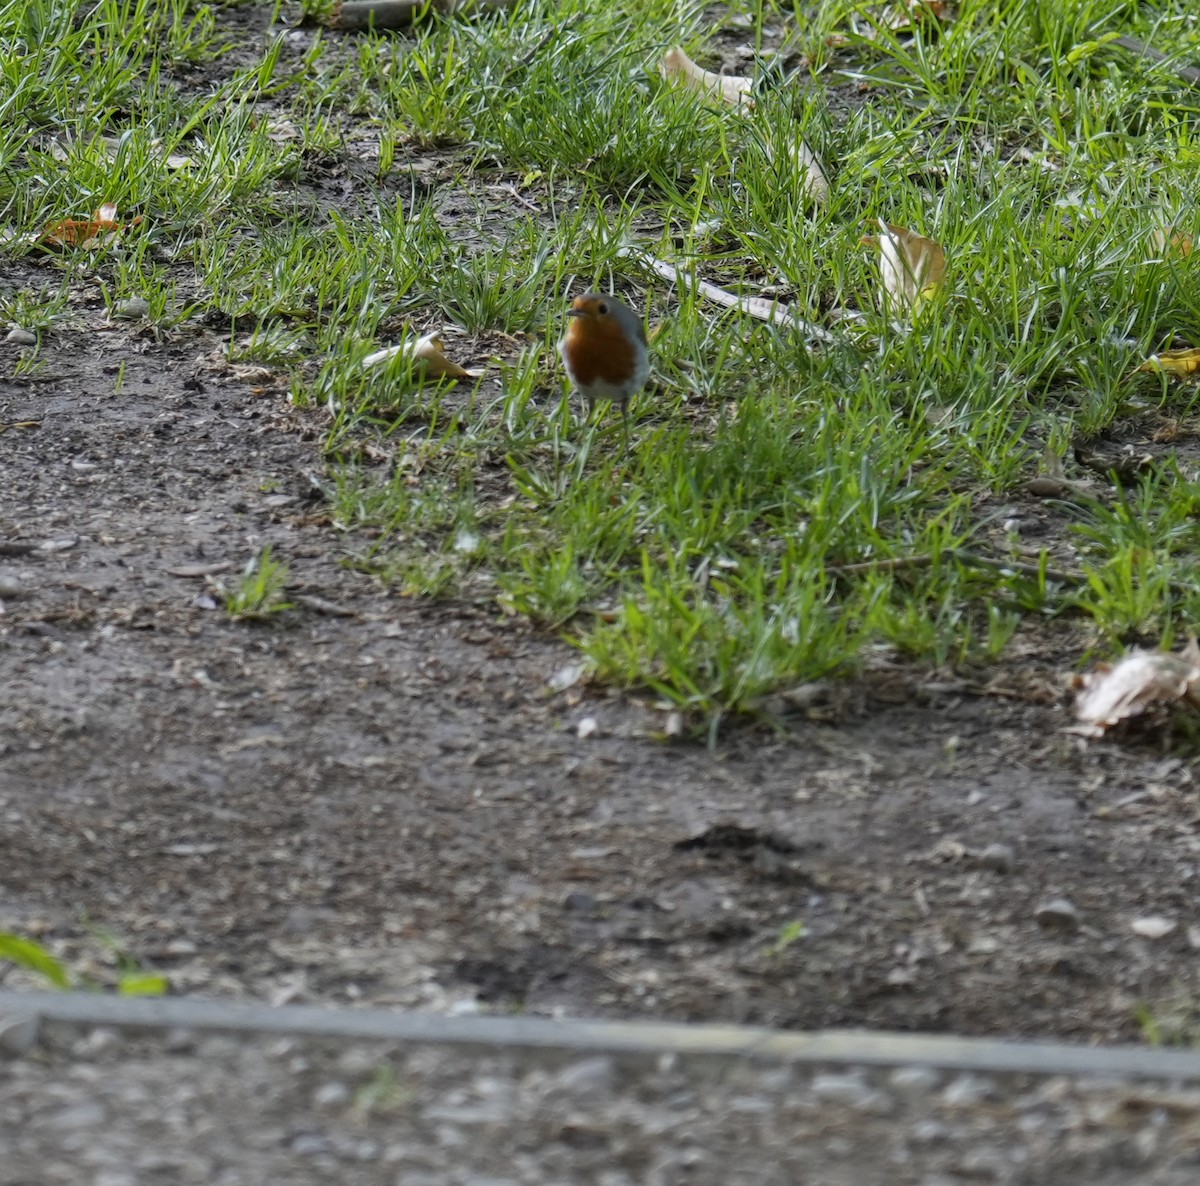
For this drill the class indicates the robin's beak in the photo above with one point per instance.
(576, 312)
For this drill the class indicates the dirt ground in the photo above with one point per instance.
(390, 804)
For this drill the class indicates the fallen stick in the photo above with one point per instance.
(969, 559)
(1187, 73)
(758, 307)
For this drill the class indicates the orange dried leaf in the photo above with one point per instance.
(1111, 695)
(85, 232)
(1180, 363)
(728, 87)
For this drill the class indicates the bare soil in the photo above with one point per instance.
(390, 804)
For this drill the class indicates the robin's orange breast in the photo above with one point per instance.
(598, 350)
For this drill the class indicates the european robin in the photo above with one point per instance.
(605, 351)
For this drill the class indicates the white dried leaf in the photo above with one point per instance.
(816, 184)
(1110, 695)
(729, 88)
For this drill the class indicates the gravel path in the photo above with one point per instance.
(112, 1107)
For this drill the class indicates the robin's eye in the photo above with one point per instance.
(601, 308)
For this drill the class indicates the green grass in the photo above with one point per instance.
(259, 592)
(500, 164)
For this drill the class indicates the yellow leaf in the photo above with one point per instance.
(1180, 363)
(431, 351)
(1168, 241)
(728, 87)
(429, 361)
(912, 267)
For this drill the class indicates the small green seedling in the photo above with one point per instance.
(789, 933)
(260, 593)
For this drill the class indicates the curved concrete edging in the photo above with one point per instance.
(858, 1047)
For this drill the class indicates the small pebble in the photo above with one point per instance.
(310, 1144)
(88, 1115)
(11, 585)
(357, 1060)
(566, 677)
(1000, 858)
(914, 1081)
(579, 902)
(131, 309)
(588, 727)
(930, 1132)
(330, 1095)
(1058, 914)
(21, 337)
(844, 1089)
(97, 1041)
(1152, 927)
(363, 1150)
(967, 1091)
(179, 1041)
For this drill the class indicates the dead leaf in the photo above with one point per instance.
(729, 88)
(1168, 241)
(1112, 694)
(912, 267)
(816, 184)
(87, 233)
(1180, 363)
(428, 356)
